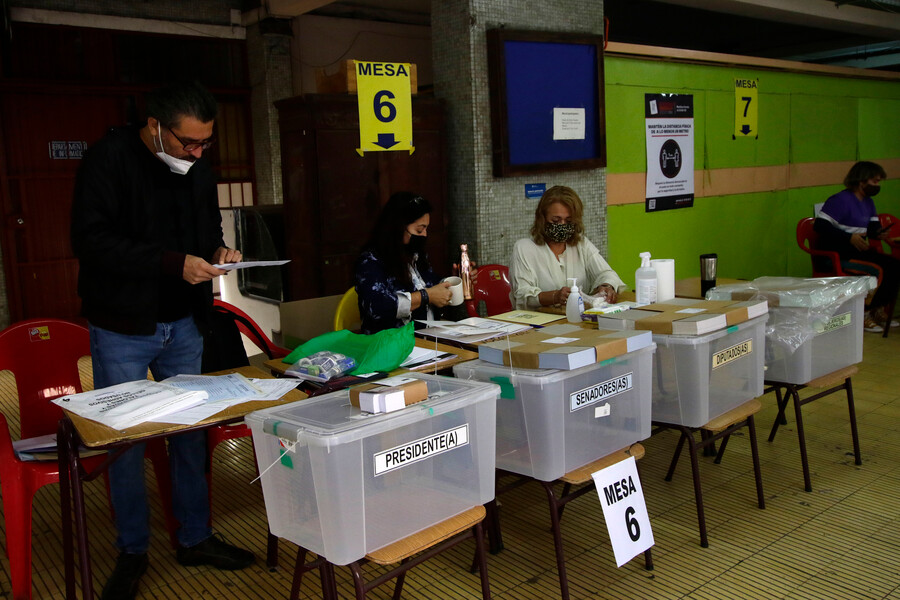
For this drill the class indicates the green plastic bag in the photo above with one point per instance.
(382, 351)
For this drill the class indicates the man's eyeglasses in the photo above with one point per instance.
(189, 146)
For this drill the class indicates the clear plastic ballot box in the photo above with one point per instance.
(550, 422)
(696, 378)
(815, 326)
(342, 483)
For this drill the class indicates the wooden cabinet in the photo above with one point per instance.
(332, 195)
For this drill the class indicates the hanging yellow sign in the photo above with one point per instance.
(746, 103)
(385, 107)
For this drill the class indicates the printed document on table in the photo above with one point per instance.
(217, 387)
(422, 357)
(471, 330)
(250, 263)
(265, 390)
(273, 389)
(129, 404)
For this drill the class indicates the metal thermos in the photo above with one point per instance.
(707, 272)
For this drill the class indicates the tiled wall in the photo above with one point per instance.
(490, 213)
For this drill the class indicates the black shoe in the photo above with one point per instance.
(215, 552)
(123, 583)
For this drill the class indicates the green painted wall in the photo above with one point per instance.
(802, 118)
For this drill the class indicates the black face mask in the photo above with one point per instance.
(871, 190)
(416, 244)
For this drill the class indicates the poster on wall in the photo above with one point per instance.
(670, 151)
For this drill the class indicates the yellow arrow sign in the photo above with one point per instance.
(746, 102)
(385, 107)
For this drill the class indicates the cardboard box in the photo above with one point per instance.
(686, 316)
(563, 346)
(382, 397)
(302, 320)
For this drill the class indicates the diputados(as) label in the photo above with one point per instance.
(835, 322)
(427, 447)
(601, 391)
(735, 352)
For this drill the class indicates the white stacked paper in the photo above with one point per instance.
(129, 404)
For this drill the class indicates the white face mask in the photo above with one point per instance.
(179, 166)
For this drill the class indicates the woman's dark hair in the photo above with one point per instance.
(171, 102)
(402, 208)
(862, 171)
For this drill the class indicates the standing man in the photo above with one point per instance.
(146, 230)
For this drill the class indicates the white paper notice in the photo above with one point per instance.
(251, 263)
(624, 509)
(568, 123)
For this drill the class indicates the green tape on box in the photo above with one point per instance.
(732, 329)
(507, 389)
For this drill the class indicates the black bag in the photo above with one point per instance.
(223, 347)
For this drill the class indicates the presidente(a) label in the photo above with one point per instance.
(427, 447)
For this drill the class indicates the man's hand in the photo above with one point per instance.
(197, 270)
(226, 255)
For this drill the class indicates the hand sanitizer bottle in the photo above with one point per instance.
(645, 281)
(575, 303)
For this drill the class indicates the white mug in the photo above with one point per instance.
(456, 291)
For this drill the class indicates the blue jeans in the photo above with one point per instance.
(175, 348)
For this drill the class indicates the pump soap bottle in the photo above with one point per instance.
(645, 281)
(575, 303)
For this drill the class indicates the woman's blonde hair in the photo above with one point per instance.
(568, 198)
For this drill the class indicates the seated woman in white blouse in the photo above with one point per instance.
(557, 250)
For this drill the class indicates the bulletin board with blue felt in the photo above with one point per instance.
(531, 74)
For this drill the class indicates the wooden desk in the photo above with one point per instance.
(690, 287)
(277, 367)
(75, 430)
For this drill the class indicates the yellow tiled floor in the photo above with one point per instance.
(840, 541)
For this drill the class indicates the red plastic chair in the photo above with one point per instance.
(827, 263)
(221, 433)
(894, 233)
(43, 356)
(490, 285)
(254, 333)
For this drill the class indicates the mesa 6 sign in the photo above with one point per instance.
(385, 107)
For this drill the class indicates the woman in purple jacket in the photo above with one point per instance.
(847, 222)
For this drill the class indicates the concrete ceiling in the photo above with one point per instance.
(859, 33)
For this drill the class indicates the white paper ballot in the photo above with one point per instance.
(568, 123)
(273, 389)
(251, 263)
(129, 404)
(217, 387)
(224, 392)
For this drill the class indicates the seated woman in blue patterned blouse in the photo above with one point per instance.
(394, 281)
